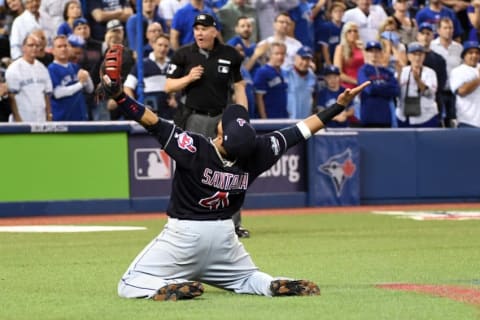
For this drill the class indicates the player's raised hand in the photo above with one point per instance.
(348, 95)
(111, 70)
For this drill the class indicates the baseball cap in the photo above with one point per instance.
(205, 20)
(373, 45)
(425, 25)
(331, 69)
(114, 24)
(305, 52)
(238, 134)
(79, 21)
(76, 41)
(467, 45)
(415, 47)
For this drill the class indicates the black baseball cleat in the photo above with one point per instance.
(179, 291)
(294, 288)
(242, 233)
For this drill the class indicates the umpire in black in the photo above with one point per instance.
(206, 71)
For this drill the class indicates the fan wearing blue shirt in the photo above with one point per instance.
(270, 85)
(434, 12)
(327, 35)
(181, 31)
(377, 102)
(301, 83)
(69, 83)
(327, 96)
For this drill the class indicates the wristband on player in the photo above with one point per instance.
(129, 107)
(330, 113)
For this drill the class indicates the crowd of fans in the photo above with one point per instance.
(299, 55)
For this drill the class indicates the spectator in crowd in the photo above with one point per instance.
(150, 15)
(230, 14)
(268, 11)
(92, 52)
(181, 31)
(248, 69)
(43, 55)
(465, 83)
(301, 85)
(13, 8)
(72, 12)
(368, 17)
(75, 45)
(432, 14)
(154, 29)
(417, 106)
(394, 56)
(281, 29)
(349, 55)
(168, 8)
(243, 43)
(5, 109)
(377, 102)
(328, 34)
(29, 85)
(459, 7)
(432, 59)
(327, 96)
(406, 25)
(303, 27)
(69, 82)
(154, 78)
(31, 19)
(114, 35)
(473, 12)
(92, 48)
(55, 12)
(98, 13)
(206, 71)
(451, 51)
(270, 85)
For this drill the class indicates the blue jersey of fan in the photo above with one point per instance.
(68, 100)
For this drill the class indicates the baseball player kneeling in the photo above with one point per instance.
(198, 244)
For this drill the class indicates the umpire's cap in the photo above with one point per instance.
(238, 134)
(205, 20)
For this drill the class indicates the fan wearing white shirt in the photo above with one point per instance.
(465, 83)
(368, 17)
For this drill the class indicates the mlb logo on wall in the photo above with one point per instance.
(152, 164)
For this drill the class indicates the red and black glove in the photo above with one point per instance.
(111, 71)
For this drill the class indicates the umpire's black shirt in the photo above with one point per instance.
(221, 66)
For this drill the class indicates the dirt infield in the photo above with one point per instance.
(457, 293)
(73, 219)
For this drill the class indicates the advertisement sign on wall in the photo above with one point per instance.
(151, 170)
(335, 176)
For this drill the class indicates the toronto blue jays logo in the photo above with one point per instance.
(339, 168)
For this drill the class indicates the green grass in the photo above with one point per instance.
(74, 276)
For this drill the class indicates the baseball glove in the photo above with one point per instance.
(111, 71)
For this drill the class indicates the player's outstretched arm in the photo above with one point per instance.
(110, 75)
(129, 106)
(317, 121)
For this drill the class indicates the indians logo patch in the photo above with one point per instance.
(185, 142)
(241, 122)
(339, 168)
